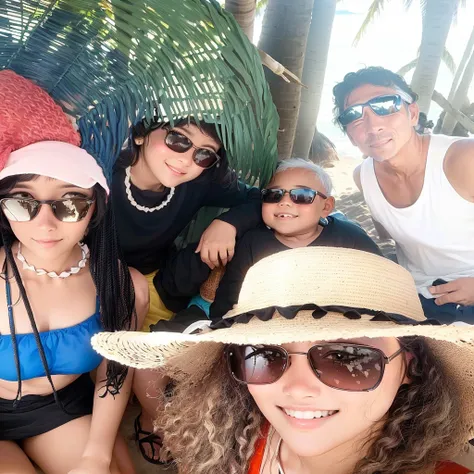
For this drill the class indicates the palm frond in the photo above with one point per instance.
(448, 60)
(408, 67)
(110, 63)
(423, 4)
(374, 10)
(460, 4)
(261, 5)
(408, 4)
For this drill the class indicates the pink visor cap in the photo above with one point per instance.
(58, 160)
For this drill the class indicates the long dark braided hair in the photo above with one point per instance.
(108, 270)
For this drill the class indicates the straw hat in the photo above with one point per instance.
(308, 294)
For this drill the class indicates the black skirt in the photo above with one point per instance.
(36, 414)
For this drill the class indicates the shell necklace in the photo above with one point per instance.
(138, 206)
(40, 271)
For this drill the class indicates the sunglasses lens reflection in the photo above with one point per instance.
(349, 367)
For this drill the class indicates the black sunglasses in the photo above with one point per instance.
(382, 105)
(180, 143)
(65, 210)
(343, 366)
(298, 196)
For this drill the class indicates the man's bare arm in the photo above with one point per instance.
(459, 168)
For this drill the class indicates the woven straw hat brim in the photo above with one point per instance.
(181, 355)
(180, 351)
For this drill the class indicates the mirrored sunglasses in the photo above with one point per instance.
(383, 105)
(65, 210)
(343, 366)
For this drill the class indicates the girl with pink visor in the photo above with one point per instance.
(62, 282)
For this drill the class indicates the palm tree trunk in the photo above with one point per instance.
(314, 70)
(284, 34)
(461, 95)
(465, 58)
(449, 121)
(437, 21)
(244, 13)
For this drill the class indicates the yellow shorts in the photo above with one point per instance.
(157, 309)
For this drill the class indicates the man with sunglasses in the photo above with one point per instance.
(419, 188)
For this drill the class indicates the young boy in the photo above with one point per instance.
(296, 210)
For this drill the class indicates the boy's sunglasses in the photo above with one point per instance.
(298, 196)
(180, 143)
(65, 210)
(382, 105)
(343, 366)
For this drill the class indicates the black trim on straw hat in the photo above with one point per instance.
(318, 312)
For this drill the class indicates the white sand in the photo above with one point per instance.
(341, 175)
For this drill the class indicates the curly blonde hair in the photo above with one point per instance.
(211, 425)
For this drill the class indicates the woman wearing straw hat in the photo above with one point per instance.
(326, 365)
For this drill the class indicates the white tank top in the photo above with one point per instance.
(435, 235)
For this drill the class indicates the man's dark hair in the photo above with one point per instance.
(377, 76)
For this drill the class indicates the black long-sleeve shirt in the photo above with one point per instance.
(147, 238)
(184, 273)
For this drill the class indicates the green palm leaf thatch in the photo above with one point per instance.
(111, 63)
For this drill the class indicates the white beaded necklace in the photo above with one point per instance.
(40, 271)
(138, 206)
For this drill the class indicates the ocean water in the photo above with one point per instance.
(391, 41)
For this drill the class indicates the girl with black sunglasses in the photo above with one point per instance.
(327, 364)
(168, 174)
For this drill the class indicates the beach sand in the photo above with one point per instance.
(127, 430)
(350, 201)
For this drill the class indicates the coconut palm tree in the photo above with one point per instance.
(314, 72)
(460, 100)
(437, 17)
(284, 35)
(244, 13)
(459, 90)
